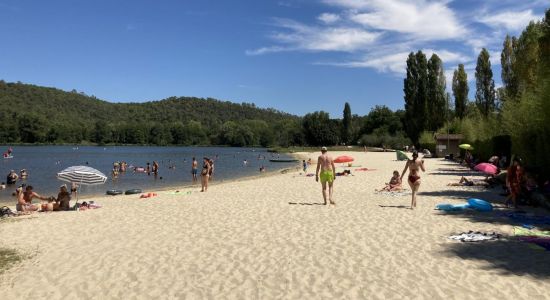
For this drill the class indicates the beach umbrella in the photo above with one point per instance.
(344, 159)
(82, 175)
(466, 147)
(486, 168)
(401, 155)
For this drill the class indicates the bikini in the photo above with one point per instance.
(414, 178)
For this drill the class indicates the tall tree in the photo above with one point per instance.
(507, 61)
(410, 90)
(422, 88)
(460, 91)
(485, 85)
(346, 124)
(527, 57)
(415, 89)
(436, 101)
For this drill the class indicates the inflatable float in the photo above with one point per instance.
(480, 205)
(452, 207)
(132, 192)
(114, 192)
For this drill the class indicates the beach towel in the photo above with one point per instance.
(539, 241)
(394, 193)
(477, 236)
(521, 231)
(524, 218)
(179, 193)
(364, 169)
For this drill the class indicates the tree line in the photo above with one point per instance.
(33, 114)
(517, 112)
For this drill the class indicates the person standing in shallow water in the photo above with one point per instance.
(194, 169)
(414, 166)
(325, 164)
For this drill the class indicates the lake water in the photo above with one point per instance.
(43, 163)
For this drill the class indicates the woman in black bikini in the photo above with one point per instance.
(414, 178)
(205, 174)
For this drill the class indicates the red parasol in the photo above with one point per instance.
(344, 159)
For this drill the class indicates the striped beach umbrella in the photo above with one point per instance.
(83, 175)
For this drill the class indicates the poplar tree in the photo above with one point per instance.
(436, 100)
(485, 85)
(507, 61)
(415, 89)
(460, 91)
(346, 124)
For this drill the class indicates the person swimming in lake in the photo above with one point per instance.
(414, 165)
(394, 184)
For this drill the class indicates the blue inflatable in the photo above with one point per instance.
(452, 207)
(480, 205)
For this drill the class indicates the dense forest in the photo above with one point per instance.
(34, 114)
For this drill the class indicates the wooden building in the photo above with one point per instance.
(447, 144)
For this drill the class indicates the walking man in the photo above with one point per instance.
(327, 175)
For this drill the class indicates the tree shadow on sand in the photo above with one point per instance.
(395, 206)
(306, 203)
(509, 256)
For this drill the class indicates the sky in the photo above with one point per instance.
(296, 56)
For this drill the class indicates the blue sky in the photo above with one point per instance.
(298, 56)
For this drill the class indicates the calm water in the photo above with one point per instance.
(43, 163)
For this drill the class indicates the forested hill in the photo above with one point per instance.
(35, 114)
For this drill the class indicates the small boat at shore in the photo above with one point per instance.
(283, 160)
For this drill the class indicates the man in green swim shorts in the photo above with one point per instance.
(327, 175)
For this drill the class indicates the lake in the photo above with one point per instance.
(43, 163)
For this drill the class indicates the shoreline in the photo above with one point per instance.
(271, 237)
(170, 188)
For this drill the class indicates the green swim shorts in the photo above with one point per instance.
(326, 176)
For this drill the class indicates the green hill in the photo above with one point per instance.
(35, 114)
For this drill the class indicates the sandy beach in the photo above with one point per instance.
(270, 238)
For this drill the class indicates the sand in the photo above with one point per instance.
(269, 238)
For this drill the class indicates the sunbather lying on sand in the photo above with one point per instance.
(465, 182)
(394, 184)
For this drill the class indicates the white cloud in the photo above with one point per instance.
(396, 62)
(328, 18)
(510, 20)
(427, 20)
(310, 38)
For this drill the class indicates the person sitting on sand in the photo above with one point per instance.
(394, 184)
(63, 199)
(24, 200)
(465, 182)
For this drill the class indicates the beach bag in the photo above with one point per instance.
(6, 212)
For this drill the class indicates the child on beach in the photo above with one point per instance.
(394, 184)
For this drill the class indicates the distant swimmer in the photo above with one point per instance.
(325, 164)
(245, 162)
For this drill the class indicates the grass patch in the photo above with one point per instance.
(8, 257)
